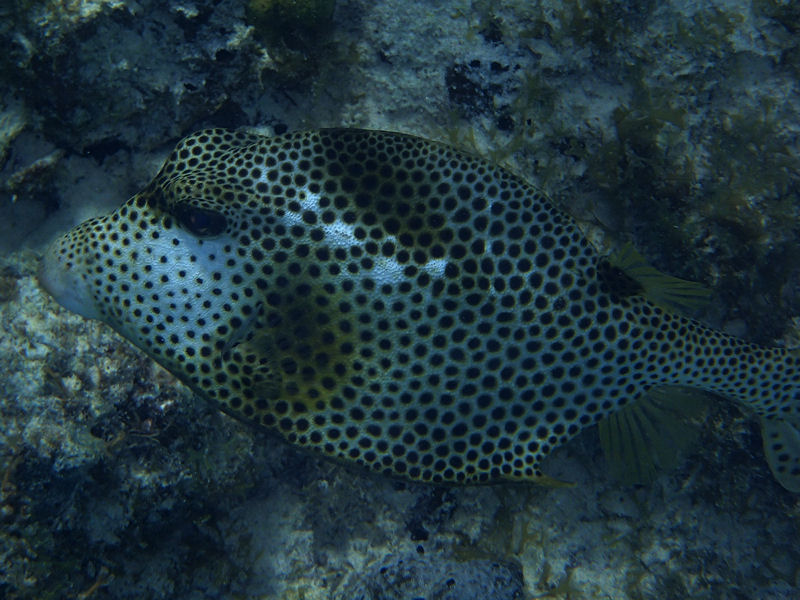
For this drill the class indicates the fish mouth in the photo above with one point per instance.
(64, 283)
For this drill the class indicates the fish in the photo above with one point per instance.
(392, 301)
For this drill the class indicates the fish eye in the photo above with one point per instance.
(202, 222)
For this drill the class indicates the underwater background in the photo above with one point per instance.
(670, 125)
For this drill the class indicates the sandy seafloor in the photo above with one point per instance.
(661, 123)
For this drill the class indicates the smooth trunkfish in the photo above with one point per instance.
(392, 301)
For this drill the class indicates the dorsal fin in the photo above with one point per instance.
(653, 433)
(630, 274)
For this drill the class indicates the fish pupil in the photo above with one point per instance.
(201, 222)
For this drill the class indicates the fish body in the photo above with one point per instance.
(392, 301)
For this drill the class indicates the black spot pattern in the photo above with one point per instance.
(392, 301)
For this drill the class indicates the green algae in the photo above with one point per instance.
(294, 32)
(282, 19)
(598, 23)
(784, 12)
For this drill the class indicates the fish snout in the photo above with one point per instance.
(65, 280)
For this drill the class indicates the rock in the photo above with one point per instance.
(436, 578)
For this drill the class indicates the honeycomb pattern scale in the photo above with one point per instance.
(388, 300)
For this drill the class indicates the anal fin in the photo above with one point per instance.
(653, 433)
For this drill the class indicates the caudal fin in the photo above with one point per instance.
(781, 440)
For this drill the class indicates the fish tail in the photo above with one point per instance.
(766, 381)
(779, 409)
(781, 439)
